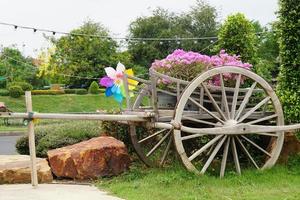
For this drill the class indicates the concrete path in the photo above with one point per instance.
(7, 145)
(53, 192)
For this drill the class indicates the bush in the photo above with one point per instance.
(47, 92)
(288, 84)
(70, 91)
(81, 91)
(118, 131)
(101, 90)
(4, 92)
(25, 86)
(15, 91)
(54, 136)
(94, 87)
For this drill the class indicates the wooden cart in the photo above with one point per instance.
(237, 124)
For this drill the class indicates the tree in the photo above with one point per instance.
(237, 36)
(82, 56)
(200, 21)
(289, 40)
(16, 67)
(268, 52)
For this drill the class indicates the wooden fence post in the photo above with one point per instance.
(34, 178)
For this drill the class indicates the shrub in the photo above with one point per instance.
(101, 90)
(25, 86)
(81, 91)
(47, 92)
(15, 91)
(70, 91)
(237, 36)
(289, 39)
(119, 131)
(94, 87)
(55, 87)
(4, 92)
(53, 136)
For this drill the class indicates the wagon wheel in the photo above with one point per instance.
(152, 145)
(232, 103)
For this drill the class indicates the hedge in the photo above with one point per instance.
(289, 40)
(24, 85)
(94, 87)
(15, 91)
(81, 91)
(47, 92)
(4, 92)
(52, 136)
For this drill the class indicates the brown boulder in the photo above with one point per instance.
(16, 169)
(97, 157)
(290, 147)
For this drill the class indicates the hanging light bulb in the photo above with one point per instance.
(16, 27)
(211, 41)
(195, 42)
(53, 32)
(178, 42)
(34, 30)
(160, 42)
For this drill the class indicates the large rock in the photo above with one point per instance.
(97, 157)
(16, 169)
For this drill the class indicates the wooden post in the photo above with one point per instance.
(34, 178)
(127, 92)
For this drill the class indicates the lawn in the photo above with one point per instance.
(55, 103)
(280, 182)
(61, 103)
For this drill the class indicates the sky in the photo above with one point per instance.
(116, 15)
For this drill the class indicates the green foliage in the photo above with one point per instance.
(237, 36)
(177, 183)
(15, 91)
(118, 131)
(200, 21)
(16, 67)
(53, 136)
(81, 91)
(70, 91)
(94, 87)
(289, 38)
(81, 56)
(25, 86)
(4, 92)
(47, 92)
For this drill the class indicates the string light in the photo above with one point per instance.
(106, 37)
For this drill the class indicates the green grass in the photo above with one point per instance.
(62, 103)
(175, 182)
(5, 129)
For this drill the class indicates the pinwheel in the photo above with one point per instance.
(114, 82)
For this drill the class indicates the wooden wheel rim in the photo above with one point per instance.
(134, 138)
(203, 77)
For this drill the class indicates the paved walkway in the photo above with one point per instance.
(52, 192)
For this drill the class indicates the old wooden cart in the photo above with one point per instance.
(235, 125)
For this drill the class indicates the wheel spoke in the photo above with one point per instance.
(262, 119)
(200, 121)
(192, 136)
(206, 146)
(267, 134)
(151, 136)
(265, 100)
(247, 152)
(213, 102)
(207, 111)
(213, 154)
(224, 159)
(235, 156)
(235, 96)
(224, 96)
(254, 144)
(245, 100)
(159, 143)
(166, 151)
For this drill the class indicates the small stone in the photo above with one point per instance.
(97, 157)
(16, 169)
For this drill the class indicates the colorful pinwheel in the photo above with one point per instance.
(114, 82)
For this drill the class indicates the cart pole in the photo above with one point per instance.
(34, 178)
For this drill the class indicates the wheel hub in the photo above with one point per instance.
(230, 122)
